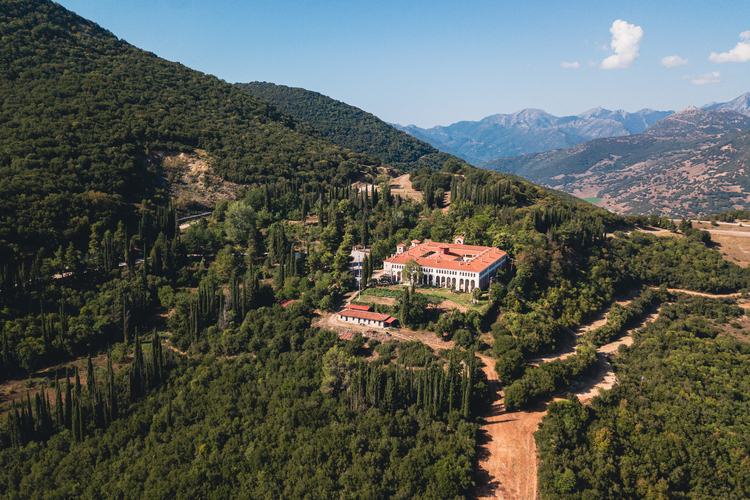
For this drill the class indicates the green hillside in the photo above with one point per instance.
(82, 113)
(142, 359)
(350, 127)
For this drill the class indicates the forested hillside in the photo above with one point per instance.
(676, 424)
(82, 111)
(350, 127)
(287, 423)
(142, 359)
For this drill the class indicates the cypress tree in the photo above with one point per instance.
(169, 413)
(111, 390)
(77, 401)
(59, 409)
(405, 306)
(68, 402)
(6, 351)
(389, 399)
(467, 393)
(136, 371)
(39, 418)
(156, 359)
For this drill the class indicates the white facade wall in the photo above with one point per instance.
(363, 322)
(448, 278)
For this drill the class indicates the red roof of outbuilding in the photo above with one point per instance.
(353, 313)
(358, 308)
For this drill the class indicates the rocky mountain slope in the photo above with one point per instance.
(534, 131)
(690, 163)
(740, 105)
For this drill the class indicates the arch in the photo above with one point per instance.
(461, 284)
(472, 285)
(398, 276)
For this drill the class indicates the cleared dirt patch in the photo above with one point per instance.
(402, 186)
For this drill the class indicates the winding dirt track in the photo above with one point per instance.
(507, 451)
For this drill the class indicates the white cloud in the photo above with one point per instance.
(626, 41)
(574, 65)
(673, 61)
(714, 77)
(740, 52)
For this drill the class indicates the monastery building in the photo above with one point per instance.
(457, 266)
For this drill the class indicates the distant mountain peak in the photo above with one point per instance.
(534, 130)
(688, 109)
(741, 105)
(594, 112)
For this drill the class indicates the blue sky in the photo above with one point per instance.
(441, 62)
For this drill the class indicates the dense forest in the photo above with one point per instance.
(83, 111)
(159, 362)
(350, 127)
(310, 421)
(675, 426)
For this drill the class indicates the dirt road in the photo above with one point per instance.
(507, 451)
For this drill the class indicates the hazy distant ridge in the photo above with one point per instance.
(535, 131)
(532, 131)
(690, 163)
(740, 105)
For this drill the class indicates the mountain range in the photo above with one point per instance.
(533, 130)
(691, 163)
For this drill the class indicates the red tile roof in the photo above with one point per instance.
(469, 258)
(353, 313)
(358, 308)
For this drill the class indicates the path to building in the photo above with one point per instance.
(507, 451)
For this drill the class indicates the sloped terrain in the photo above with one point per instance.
(532, 131)
(81, 112)
(350, 127)
(691, 163)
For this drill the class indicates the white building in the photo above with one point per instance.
(361, 315)
(457, 266)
